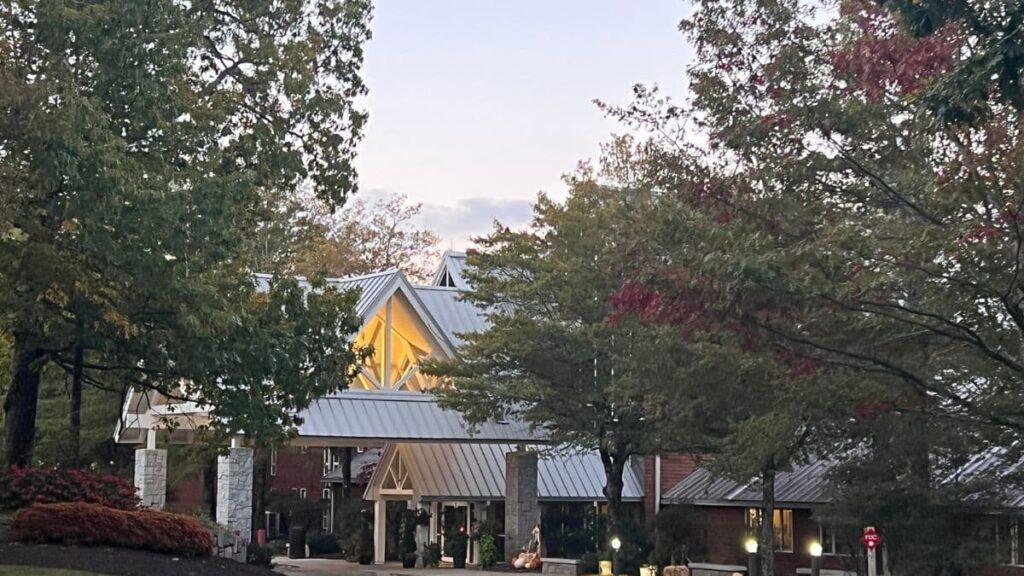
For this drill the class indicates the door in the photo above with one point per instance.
(454, 518)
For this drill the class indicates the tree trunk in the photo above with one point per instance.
(21, 403)
(75, 416)
(766, 533)
(614, 465)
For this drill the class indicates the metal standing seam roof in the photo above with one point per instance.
(395, 416)
(371, 286)
(453, 315)
(803, 485)
(477, 472)
(454, 263)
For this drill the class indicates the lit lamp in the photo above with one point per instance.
(750, 544)
(616, 544)
(815, 558)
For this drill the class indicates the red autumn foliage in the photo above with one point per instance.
(24, 486)
(871, 409)
(885, 57)
(94, 525)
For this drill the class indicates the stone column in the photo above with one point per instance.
(522, 511)
(234, 495)
(151, 477)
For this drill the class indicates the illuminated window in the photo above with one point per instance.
(782, 525)
(400, 342)
(273, 462)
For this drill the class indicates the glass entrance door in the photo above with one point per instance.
(455, 518)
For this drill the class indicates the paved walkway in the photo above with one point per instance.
(329, 567)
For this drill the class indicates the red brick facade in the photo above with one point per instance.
(674, 468)
(298, 469)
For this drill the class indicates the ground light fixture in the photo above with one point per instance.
(616, 544)
(750, 545)
(815, 550)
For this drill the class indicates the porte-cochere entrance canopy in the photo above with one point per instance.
(431, 458)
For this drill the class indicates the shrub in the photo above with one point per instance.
(95, 525)
(44, 485)
(432, 555)
(488, 551)
(259, 555)
(322, 543)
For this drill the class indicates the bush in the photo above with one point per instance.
(488, 551)
(678, 535)
(432, 555)
(95, 525)
(321, 543)
(259, 555)
(45, 485)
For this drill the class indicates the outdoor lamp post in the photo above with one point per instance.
(815, 558)
(616, 544)
(751, 547)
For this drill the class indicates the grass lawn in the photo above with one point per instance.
(33, 571)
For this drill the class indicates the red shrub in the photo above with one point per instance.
(94, 525)
(24, 486)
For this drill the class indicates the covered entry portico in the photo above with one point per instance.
(434, 461)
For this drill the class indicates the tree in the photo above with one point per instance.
(364, 238)
(825, 218)
(143, 145)
(551, 356)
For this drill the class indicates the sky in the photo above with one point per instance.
(477, 105)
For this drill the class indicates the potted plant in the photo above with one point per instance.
(456, 545)
(407, 541)
(432, 555)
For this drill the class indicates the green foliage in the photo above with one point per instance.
(488, 551)
(322, 543)
(162, 140)
(260, 555)
(407, 533)
(551, 356)
(432, 555)
(679, 535)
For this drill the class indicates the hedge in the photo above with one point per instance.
(80, 523)
(23, 486)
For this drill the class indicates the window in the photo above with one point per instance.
(782, 524)
(273, 462)
(301, 492)
(332, 460)
(828, 539)
(325, 522)
(1010, 541)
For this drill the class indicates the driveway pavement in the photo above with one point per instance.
(330, 567)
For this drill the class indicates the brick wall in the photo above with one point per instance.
(726, 532)
(298, 468)
(674, 468)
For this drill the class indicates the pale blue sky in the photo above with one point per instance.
(476, 105)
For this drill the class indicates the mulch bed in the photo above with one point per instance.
(122, 562)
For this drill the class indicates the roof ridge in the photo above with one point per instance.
(388, 272)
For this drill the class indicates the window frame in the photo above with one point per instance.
(782, 525)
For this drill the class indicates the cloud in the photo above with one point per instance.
(470, 217)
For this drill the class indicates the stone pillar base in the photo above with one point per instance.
(234, 496)
(151, 477)
(522, 511)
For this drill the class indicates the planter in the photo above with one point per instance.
(605, 567)
(297, 543)
(409, 561)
